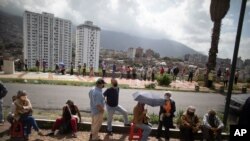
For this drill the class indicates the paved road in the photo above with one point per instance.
(54, 96)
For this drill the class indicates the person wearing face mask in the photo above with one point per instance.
(97, 108)
(190, 124)
(23, 113)
(212, 126)
(166, 115)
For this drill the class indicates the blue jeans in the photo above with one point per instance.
(111, 111)
(1, 110)
(29, 122)
(146, 131)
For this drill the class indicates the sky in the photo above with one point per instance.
(185, 21)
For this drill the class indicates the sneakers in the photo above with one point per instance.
(40, 133)
(50, 134)
(126, 124)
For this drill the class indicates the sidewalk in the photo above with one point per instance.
(176, 85)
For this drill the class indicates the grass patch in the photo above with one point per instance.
(55, 82)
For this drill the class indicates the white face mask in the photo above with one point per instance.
(166, 97)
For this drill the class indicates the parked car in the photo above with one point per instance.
(237, 101)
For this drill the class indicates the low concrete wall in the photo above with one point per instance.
(86, 126)
(8, 67)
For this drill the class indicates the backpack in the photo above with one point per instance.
(3, 91)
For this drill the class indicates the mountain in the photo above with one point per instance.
(11, 36)
(122, 41)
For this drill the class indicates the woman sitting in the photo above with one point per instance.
(23, 113)
(71, 115)
(141, 120)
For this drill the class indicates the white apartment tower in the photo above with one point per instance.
(46, 38)
(88, 45)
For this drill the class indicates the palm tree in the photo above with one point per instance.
(218, 10)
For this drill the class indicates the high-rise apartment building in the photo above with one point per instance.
(46, 38)
(88, 45)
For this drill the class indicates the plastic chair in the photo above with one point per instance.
(135, 133)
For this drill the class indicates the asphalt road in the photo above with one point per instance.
(55, 96)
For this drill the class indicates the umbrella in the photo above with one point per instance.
(148, 98)
(61, 64)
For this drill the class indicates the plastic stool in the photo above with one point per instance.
(134, 133)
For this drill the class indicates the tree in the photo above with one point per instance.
(218, 10)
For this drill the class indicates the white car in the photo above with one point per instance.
(237, 101)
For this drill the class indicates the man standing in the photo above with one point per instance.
(79, 68)
(112, 100)
(166, 116)
(3, 92)
(113, 70)
(97, 108)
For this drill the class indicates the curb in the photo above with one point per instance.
(86, 126)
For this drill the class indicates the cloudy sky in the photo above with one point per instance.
(185, 21)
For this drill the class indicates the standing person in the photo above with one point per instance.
(196, 73)
(141, 120)
(190, 124)
(37, 65)
(149, 73)
(26, 65)
(134, 72)
(84, 69)
(23, 112)
(123, 71)
(190, 75)
(219, 74)
(1, 63)
(10, 117)
(183, 74)
(70, 116)
(236, 76)
(153, 74)
(44, 66)
(161, 70)
(128, 72)
(79, 68)
(103, 69)
(113, 70)
(226, 76)
(212, 126)
(97, 108)
(57, 68)
(112, 105)
(91, 71)
(3, 92)
(175, 72)
(245, 114)
(71, 68)
(166, 116)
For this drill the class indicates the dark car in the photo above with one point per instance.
(237, 101)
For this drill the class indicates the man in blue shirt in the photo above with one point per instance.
(97, 108)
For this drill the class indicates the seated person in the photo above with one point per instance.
(212, 126)
(190, 124)
(141, 120)
(70, 114)
(23, 112)
(10, 117)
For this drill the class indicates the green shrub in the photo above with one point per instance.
(150, 86)
(177, 119)
(164, 80)
(33, 69)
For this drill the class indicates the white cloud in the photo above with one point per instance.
(186, 21)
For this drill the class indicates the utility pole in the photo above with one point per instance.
(235, 55)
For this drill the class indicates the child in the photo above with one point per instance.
(10, 117)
